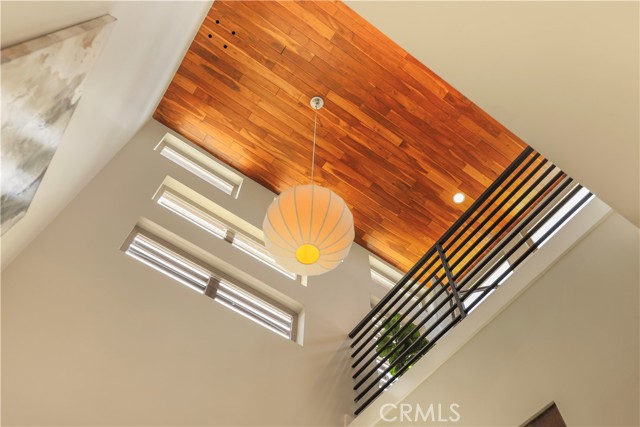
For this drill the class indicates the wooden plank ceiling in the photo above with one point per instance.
(394, 139)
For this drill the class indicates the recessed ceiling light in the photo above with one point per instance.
(458, 198)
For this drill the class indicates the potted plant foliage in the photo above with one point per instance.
(396, 345)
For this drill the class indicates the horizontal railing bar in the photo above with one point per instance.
(372, 346)
(466, 291)
(405, 352)
(418, 326)
(559, 175)
(398, 298)
(479, 235)
(433, 299)
(527, 236)
(389, 318)
(518, 228)
(524, 195)
(410, 362)
(381, 322)
(417, 356)
(485, 195)
(501, 178)
(541, 207)
(493, 200)
(385, 299)
(504, 214)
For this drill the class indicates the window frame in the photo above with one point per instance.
(234, 232)
(216, 276)
(199, 163)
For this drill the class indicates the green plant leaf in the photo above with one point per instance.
(393, 347)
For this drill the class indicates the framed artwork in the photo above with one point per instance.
(41, 86)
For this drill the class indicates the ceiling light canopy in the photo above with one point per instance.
(308, 229)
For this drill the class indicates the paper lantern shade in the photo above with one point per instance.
(308, 230)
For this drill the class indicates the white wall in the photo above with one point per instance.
(144, 48)
(562, 75)
(92, 337)
(571, 337)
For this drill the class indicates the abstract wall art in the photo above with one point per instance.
(41, 86)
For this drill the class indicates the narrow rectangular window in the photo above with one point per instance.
(205, 279)
(253, 308)
(259, 252)
(382, 273)
(166, 261)
(227, 228)
(201, 164)
(385, 275)
(193, 214)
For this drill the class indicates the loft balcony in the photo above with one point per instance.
(519, 212)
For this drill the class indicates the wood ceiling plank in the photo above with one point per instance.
(427, 79)
(182, 105)
(367, 121)
(185, 83)
(204, 60)
(394, 139)
(269, 34)
(321, 23)
(273, 10)
(326, 11)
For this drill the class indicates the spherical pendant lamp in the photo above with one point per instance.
(308, 229)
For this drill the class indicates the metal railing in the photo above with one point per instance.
(526, 204)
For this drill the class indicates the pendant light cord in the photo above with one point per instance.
(313, 155)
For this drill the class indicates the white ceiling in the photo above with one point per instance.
(562, 75)
(144, 49)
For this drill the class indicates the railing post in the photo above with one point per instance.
(452, 283)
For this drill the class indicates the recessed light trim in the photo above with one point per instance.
(458, 198)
